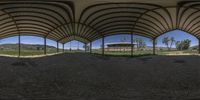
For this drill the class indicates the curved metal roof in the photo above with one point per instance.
(88, 20)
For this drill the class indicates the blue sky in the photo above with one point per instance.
(177, 34)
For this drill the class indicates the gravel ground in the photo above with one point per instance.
(91, 77)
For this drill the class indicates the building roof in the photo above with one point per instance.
(116, 43)
(88, 20)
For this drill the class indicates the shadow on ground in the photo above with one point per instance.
(93, 77)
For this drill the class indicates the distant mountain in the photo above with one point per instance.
(194, 47)
(25, 47)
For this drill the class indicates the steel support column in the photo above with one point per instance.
(78, 46)
(103, 41)
(85, 47)
(154, 46)
(19, 45)
(132, 46)
(70, 49)
(45, 45)
(199, 46)
(57, 47)
(90, 47)
(63, 45)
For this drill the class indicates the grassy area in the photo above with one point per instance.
(149, 52)
(175, 52)
(9, 52)
(33, 52)
(25, 52)
(74, 51)
(127, 53)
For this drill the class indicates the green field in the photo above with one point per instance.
(25, 52)
(175, 52)
(34, 52)
(127, 53)
(148, 52)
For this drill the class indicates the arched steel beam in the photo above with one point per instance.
(35, 13)
(107, 26)
(183, 12)
(139, 18)
(72, 23)
(193, 20)
(77, 38)
(195, 25)
(73, 36)
(120, 33)
(111, 3)
(88, 26)
(139, 13)
(120, 3)
(129, 30)
(48, 10)
(36, 20)
(188, 17)
(120, 26)
(55, 4)
(129, 17)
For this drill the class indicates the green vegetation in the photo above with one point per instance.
(182, 47)
(9, 52)
(168, 42)
(26, 49)
(24, 52)
(139, 43)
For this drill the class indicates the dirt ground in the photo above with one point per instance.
(92, 77)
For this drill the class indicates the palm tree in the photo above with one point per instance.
(123, 39)
(141, 43)
(172, 41)
(137, 42)
(166, 41)
(70, 48)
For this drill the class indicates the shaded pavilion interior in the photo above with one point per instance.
(89, 20)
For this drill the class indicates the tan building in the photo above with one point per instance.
(119, 46)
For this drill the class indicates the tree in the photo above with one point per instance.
(123, 39)
(139, 43)
(87, 47)
(178, 45)
(172, 42)
(136, 40)
(168, 42)
(183, 45)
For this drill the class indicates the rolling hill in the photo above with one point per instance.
(25, 47)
